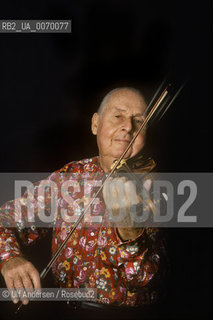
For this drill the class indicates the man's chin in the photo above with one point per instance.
(128, 155)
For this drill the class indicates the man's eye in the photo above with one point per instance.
(117, 116)
(138, 121)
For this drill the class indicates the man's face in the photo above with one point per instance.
(118, 124)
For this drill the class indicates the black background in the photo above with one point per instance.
(51, 84)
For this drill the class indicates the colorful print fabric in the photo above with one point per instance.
(125, 273)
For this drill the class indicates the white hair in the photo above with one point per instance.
(108, 95)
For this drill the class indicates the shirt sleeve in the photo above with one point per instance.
(19, 221)
(145, 265)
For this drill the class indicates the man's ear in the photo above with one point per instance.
(95, 122)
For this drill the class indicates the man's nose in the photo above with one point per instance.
(128, 125)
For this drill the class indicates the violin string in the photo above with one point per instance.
(172, 100)
(154, 96)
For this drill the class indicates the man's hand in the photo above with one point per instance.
(19, 274)
(120, 196)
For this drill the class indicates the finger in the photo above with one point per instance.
(28, 287)
(118, 194)
(120, 190)
(19, 286)
(106, 194)
(121, 205)
(110, 194)
(147, 184)
(113, 188)
(27, 281)
(13, 293)
(106, 189)
(130, 194)
(34, 275)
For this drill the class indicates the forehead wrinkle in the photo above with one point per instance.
(114, 109)
(118, 109)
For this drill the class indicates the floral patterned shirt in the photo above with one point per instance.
(126, 273)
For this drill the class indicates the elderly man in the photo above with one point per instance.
(124, 264)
